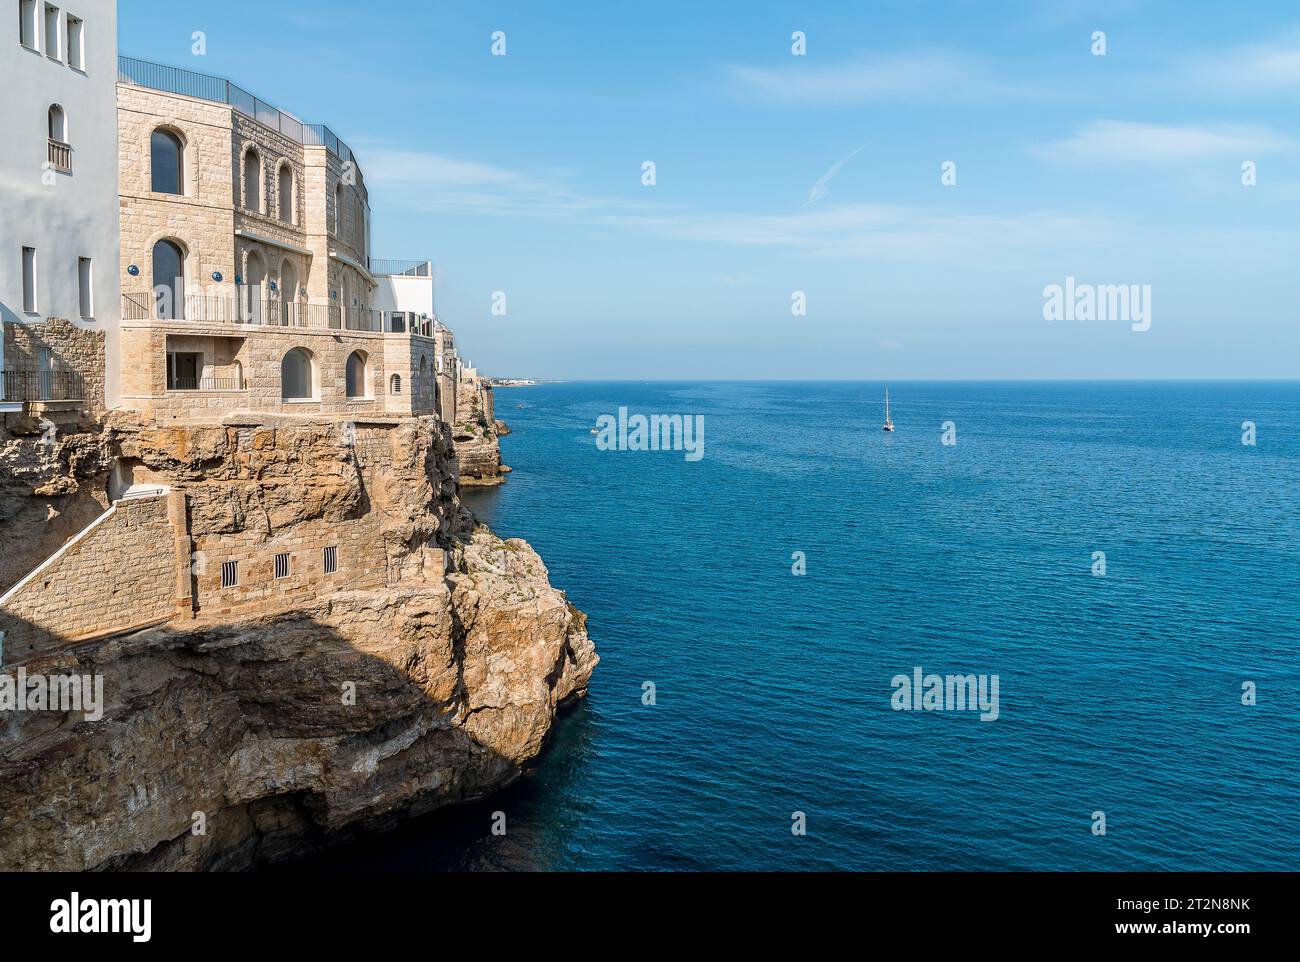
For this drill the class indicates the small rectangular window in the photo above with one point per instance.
(331, 560)
(85, 287)
(229, 574)
(29, 280)
(52, 31)
(282, 565)
(27, 23)
(76, 55)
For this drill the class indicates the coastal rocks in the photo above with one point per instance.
(477, 434)
(233, 739)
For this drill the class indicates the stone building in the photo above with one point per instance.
(248, 281)
(58, 204)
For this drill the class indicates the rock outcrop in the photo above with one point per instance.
(477, 434)
(232, 739)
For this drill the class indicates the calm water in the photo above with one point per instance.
(1119, 693)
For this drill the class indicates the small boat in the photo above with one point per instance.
(889, 425)
(520, 406)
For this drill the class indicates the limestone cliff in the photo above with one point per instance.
(277, 719)
(477, 434)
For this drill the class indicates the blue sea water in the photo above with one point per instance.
(1120, 694)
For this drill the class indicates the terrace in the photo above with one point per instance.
(189, 83)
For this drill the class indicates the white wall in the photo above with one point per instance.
(63, 216)
(403, 292)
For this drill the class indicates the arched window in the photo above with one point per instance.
(338, 210)
(252, 181)
(357, 381)
(58, 124)
(166, 162)
(169, 279)
(395, 384)
(288, 293)
(285, 188)
(298, 376)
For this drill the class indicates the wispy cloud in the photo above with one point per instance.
(434, 182)
(914, 76)
(1127, 142)
(822, 187)
(888, 233)
(1269, 67)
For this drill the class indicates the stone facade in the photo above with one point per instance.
(67, 348)
(259, 278)
(118, 574)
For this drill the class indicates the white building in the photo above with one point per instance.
(404, 292)
(59, 238)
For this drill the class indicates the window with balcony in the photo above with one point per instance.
(59, 153)
(52, 31)
(169, 279)
(27, 23)
(76, 52)
(166, 163)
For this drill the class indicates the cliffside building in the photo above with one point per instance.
(58, 203)
(246, 254)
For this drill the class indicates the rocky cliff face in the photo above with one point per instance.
(477, 434)
(229, 740)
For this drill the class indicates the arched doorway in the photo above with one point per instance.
(298, 376)
(288, 292)
(254, 283)
(169, 279)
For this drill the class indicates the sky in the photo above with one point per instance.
(822, 175)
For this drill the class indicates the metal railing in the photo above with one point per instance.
(189, 83)
(31, 385)
(206, 384)
(60, 155)
(395, 268)
(244, 309)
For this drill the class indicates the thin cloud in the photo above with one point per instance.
(1271, 67)
(437, 183)
(822, 187)
(939, 75)
(1126, 142)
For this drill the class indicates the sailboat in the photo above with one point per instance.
(889, 425)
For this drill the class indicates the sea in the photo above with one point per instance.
(1122, 557)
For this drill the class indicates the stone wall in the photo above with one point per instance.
(71, 348)
(119, 573)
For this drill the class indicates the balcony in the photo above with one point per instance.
(258, 313)
(188, 83)
(395, 268)
(59, 155)
(207, 384)
(31, 385)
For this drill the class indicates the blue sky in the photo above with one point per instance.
(523, 174)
